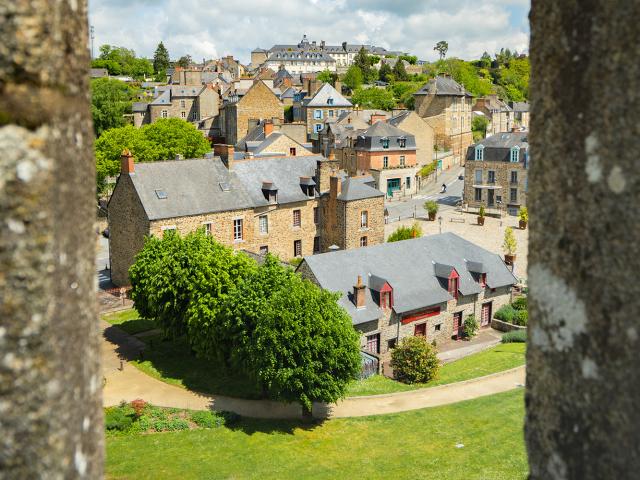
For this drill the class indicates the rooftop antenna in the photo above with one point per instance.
(92, 34)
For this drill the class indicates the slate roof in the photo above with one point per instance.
(519, 106)
(371, 138)
(497, 148)
(398, 118)
(139, 106)
(192, 187)
(408, 267)
(443, 86)
(357, 188)
(324, 93)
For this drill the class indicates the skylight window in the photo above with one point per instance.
(161, 194)
(225, 186)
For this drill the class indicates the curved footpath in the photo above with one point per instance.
(130, 383)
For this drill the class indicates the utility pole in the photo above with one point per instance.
(92, 35)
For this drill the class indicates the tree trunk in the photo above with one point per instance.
(50, 396)
(583, 380)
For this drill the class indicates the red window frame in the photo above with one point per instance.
(431, 312)
(420, 330)
(454, 279)
(483, 280)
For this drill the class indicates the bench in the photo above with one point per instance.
(457, 220)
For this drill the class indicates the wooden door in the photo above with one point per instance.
(485, 317)
(457, 325)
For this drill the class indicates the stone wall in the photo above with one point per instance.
(505, 326)
(423, 133)
(258, 102)
(328, 112)
(354, 232)
(128, 225)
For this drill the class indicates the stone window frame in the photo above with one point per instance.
(164, 113)
(238, 234)
(364, 241)
(513, 195)
(514, 177)
(316, 215)
(385, 162)
(208, 228)
(183, 114)
(297, 218)
(402, 160)
(316, 244)
(263, 224)
(491, 176)
(364, 219)
(297, 248)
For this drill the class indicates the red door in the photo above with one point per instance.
(485, 318)
(420, 330)
(457, 325)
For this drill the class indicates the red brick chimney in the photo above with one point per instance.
(358, 293)
(126, 162)
(335, 186)
(376, 117)
(268, 128)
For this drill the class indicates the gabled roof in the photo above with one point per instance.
(371, 138)
(442, 85)
(356, 188)
(408, 267)
(324, 93)
(497, 148)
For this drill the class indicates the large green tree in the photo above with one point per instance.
(184, 61)
(110, 100)
(363, 62)
(122, 61)
(353, 78)
(160, 59)
(327, 76)
(374, 98)
(399, 72)
(161, 140)
(442, 47)
(385, 72)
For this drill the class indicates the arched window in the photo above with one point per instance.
(479, 152)
(515, 154)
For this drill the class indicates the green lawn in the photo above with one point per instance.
(171, 361)
(417, 444)
(496, 359)
(129, 321)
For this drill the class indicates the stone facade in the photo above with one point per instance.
(509, 186)
(424, 134)
(258, 102)
(450, 118)
(316, 116)
(191, 107)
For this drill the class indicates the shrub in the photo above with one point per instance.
(138, 406)
(505, 313)
(431, 207)
(170, 425)
(510, 243)
(470, 326)
(116, 418)
(515, 336)
(405, 233)
(521, 317)
(523, 214)
(414, 361)
(428, 169)
(520, 303)
(481, 213)
(206, 419)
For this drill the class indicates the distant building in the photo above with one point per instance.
(446, 106)
(498, 113)
(496, 172)
(325, 105)
(288, 206)
(421, 287)
(520, 114)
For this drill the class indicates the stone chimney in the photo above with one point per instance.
(325, 168)
(268, 128)
(225, 152)
(335, 186)
(358, 293)
(338, 86)
(377, 117)
(126, 162)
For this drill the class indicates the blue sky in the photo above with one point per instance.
(209, 29)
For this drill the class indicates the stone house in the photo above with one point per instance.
(191, 103)
(498, 113)
(386, 153)
(520, 114)
(325, 105)
(258, 102)
(270, 138)
(426, 286)
(446, 106)
(288, 206)
(496, 172)
(410, 122)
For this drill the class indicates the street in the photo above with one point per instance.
(406, 207)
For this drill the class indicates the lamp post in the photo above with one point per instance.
(440, 223)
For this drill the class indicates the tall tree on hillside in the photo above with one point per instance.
(442, 47)
(384, 72)
(399, 72)
(160, 59)
(361, 60)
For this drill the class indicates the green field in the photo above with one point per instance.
(172, 362)
(496, 359)
(417, 444)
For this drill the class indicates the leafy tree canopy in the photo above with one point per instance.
(399, 72)
(161, 140)
(384, 73)
(110, 100)
(412, 59)
(405, 233)
(373, 97)
(184, 61)
(122, 61)
(353, 78)
(364, 62)
(327, 76)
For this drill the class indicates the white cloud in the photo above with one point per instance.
(205, 28)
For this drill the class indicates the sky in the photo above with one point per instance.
(213, 28)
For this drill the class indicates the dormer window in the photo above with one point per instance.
(385, 300)
(483, 280)
(385, 142)
(329, 101)
(479, 153)
(515, 154)
(270, 192)
(453, 285)
(402, 141)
